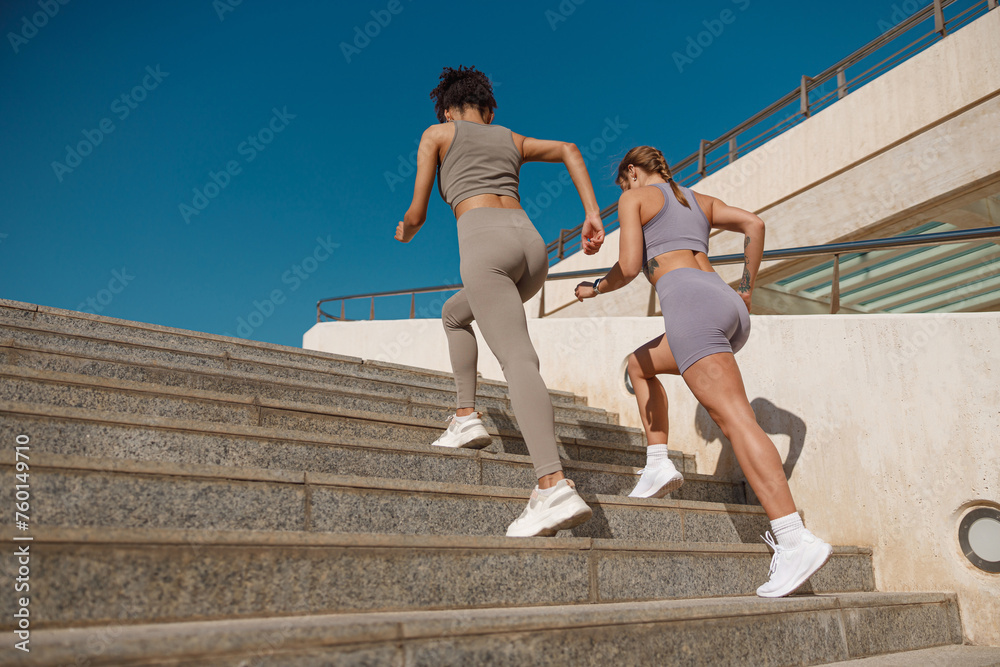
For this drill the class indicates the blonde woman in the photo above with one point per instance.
(664, 233)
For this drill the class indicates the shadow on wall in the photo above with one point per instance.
(772, 419)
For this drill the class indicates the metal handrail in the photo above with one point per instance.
(729, 140)
(835, 249)
(838, 71)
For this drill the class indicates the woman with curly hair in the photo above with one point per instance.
(504, 262)
(664, 233)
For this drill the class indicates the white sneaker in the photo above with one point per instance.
(470, 433)
(658, 481)
(790, 568)
(546, 515)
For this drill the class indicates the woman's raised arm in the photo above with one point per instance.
(733, 219)
(427, 162)
(630, 246)
(543, 150)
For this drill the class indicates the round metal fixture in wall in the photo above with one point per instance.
(979, 537)
(628, 381)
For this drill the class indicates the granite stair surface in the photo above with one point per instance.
(202, 500)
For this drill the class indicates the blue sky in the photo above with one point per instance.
(297, 146)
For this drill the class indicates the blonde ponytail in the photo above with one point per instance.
(650, 159)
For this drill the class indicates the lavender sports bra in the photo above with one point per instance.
(675, 227)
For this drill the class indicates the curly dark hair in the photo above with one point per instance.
(463, 87)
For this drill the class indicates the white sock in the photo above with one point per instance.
(655, 455)
(788, 530)
(546, 492)
(462, 420)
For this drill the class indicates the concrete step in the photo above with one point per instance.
(86, 492)
(75, 327)
(162, 575)
(132, 436)
(600, 443)
(386, 398)
(734, 632)
(942, 656)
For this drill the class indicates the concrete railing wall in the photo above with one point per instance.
(888, 424)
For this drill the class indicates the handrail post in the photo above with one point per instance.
(562, 242)
(413, 305)
(939, 25)
(991, 4)
(841, 84)
(835, 288)
(732, 149)
(371, 313)
(701, 157)
(319, 313)
(804, 96)
(541, 302)
(342, 310)
(651, 306)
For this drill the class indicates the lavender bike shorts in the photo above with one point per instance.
(702, 315)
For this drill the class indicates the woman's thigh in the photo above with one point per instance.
(717, 383)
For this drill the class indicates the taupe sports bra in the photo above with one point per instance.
(482, 159)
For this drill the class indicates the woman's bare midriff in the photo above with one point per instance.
(663, 264)
(485, 201)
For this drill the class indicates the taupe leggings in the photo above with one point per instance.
(504, 263)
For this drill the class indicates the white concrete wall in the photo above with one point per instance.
(889, 151)
(954, 73)
(889, 424)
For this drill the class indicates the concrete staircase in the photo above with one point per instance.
(201, 500)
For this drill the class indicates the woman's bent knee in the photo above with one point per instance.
(523, 360)
(634, 369)
(449, 317)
